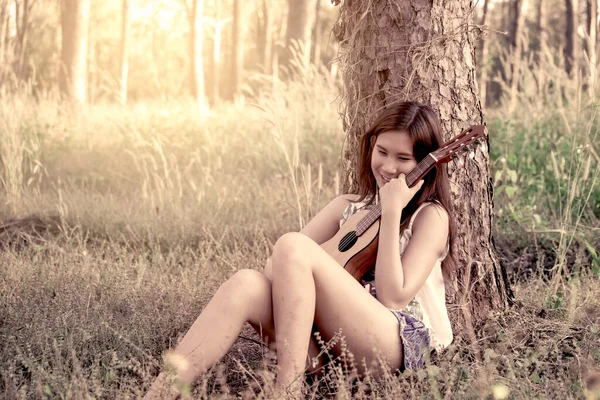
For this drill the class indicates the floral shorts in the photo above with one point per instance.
(415, 340)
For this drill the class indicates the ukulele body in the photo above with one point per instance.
(357, 254)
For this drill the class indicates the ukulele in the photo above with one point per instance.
(354, 246)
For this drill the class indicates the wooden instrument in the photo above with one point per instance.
(354, 246)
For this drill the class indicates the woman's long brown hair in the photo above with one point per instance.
(423, 126)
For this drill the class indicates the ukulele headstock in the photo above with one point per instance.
(456, 144)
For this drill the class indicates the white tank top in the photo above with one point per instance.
(429, 304)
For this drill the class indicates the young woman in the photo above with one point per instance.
(401, 316)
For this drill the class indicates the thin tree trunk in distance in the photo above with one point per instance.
(237, 63)
(424, 52)
(516, 54)
(216, 70)
(92, 63)
(485, 45)
(196, 55)
(73, 71)
(22, 35)
(542, 49)
(299, 29)
(315, 51)
(592, 21)
(124, 53)
(265, 37)
(4, 17)
(571, 46)
(514, 15)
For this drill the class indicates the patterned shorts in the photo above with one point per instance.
(415, 340)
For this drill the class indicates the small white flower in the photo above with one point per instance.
(500, 392)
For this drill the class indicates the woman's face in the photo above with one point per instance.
(392, 155)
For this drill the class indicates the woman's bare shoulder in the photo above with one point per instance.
(432, 217)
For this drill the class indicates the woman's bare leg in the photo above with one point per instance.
(308, 285)
(245, 297)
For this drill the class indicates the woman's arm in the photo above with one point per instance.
(399, 279)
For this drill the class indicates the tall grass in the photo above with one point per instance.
(153, 207)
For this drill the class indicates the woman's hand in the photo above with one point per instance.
(396, 194)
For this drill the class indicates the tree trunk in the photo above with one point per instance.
(265, 37)
(124, 57)
(516, 54)
(296, 56)
(4, 18)
(414, 50)
(196, 55)
(237, 63)
(485, 45)
(542, 49)
(315, 51)
(23, 10)
(514, 16)
(216, 65)
(571, 46)
(592, 18)
(73, 71)
(92, 63)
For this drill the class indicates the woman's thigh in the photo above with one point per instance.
(369, 329)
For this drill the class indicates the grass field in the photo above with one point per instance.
(117, 225)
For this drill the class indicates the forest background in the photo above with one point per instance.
(150, 149)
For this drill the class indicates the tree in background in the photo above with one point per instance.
(416, 50)
(571, 42)
(542, 44)
(15, 39)
(237, 63)
(315, 50)
(592, 25)
(73, 69)
(264, 39)
(520, 7)
(197, 70)
(215, 80)
(124, 59)
(301, 15)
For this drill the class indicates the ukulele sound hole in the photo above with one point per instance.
(347, 241)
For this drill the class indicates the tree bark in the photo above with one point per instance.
(296, 57)
(197, 72)
(485, 45)
(73, 71)
(237, 63)
(124, 56)
(422, 50)
(571, 46)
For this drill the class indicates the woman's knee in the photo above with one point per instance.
(289, 247)
(247, 287)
